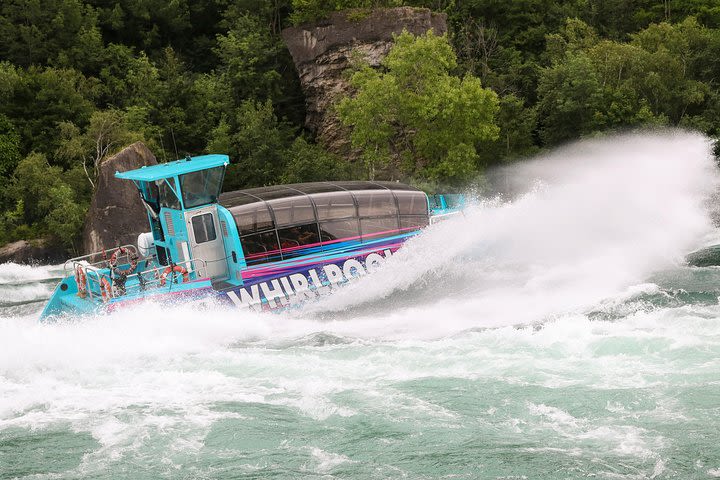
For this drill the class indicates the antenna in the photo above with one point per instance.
(162, 147)
(174, 144)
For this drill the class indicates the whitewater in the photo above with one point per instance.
(555, 330)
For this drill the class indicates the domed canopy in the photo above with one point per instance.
(283, 221)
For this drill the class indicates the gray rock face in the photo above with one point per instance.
(35, 251)
(117, 216)
(322, 51)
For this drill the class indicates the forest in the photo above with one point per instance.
(81, 79)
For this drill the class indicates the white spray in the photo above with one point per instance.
(596, 218)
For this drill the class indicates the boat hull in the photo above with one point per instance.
(269, 287)
(281, 288)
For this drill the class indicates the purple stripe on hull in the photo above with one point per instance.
(255, 274)
(299, 283)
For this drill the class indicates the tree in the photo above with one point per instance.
(595, 85)
(65, 217)
(248, 54)
(414, 117)
(517, 125)
(311, 163)
(58, 33)
(256, 142)
(311, 10)
(128, 79)
(45, 201)
(40, 98)
(9, 146)
(107, 133)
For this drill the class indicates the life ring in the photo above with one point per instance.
(114, 259)
(177, 269)
(81, 281)
(105, 288)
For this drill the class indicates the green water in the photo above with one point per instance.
(637, 397)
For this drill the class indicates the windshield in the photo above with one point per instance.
(201, 188)
(167, 195)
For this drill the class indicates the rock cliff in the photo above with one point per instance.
(322, 51)
(33, 251)
(117, 216)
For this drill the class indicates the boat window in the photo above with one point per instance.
(201, 188)
(334, 205)
(411, 203)
(374, 228)
(413, 222)
(203, 228)
(338, 230)
(292, 211)
(151, 195)
(252, 217)
(292, 239)
(373, 203)
(168, 199)
(261, 248)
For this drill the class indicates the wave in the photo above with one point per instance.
(12, 273)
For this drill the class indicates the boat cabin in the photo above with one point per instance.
(223, 236)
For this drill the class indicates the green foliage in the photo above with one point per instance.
(517, 124)
(128, 79)
(9, 146)
(257, 140)
(45, 201)
(40, 98)
(308, 162)
(32, 179)
(189, 27)
(248, 58)
(79, 79)
(64, 217)
(108, 132)
(61, 33)
(597, 84)
(311, 10)
(416, 118)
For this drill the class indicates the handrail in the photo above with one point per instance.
(132, 249)
(94, 279)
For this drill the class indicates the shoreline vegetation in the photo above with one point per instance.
(81, 79)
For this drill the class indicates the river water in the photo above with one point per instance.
(553, 333)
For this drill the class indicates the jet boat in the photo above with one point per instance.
(262, 248)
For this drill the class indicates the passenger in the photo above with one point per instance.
(308, 237)
(254, 251)
(291, 240)
(288, 243)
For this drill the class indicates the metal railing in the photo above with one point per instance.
(100, 259)
(135, 283)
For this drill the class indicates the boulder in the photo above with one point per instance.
(33, 251)
(117, 216)
(322, 51)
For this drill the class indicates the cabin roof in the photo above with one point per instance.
(170, 169)
(260, 194)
